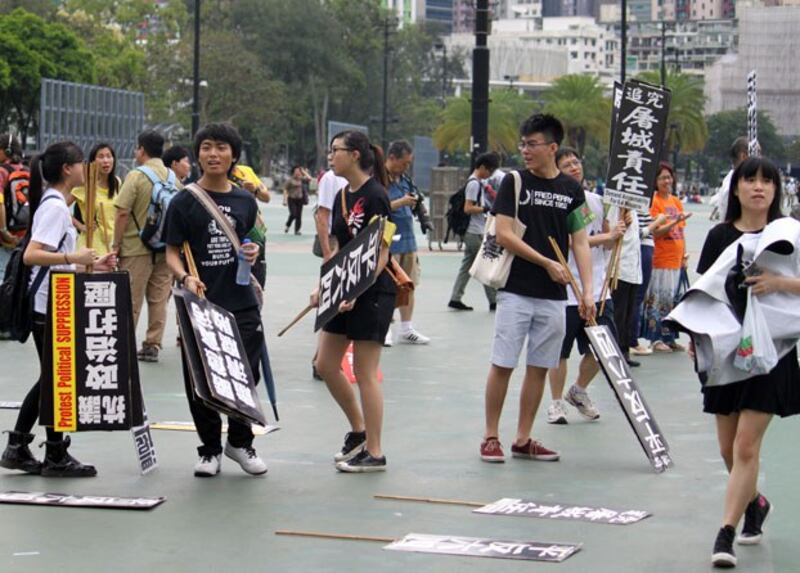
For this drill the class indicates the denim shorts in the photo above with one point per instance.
(542, 321)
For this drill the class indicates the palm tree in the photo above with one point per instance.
(507, 109)
(578, 101)
(687, 129)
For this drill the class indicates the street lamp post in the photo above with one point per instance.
(196, 78)
(623, 40)
(480, 81)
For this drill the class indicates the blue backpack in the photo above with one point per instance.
(152, 232)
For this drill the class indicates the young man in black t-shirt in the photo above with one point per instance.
(217, 148)
(532, 303)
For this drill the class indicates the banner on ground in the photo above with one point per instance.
(484, 547)
(216, 359)
(551, 510)
(63, 500)
(629, 396)
(637, 140)
(350, 272)
(90, 355)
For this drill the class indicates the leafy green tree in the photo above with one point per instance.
(578, 101)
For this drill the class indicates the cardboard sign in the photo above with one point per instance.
(347, 366)
(190, 427)
(552, 510)
(90, 355)
(637, 139)
(145, 448)
(220, 372)
(350, 272)
(483, 547)
(10, 405)
(612, 363)
(95, 501)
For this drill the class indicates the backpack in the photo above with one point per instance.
(457, 219)
(152, 232)
(16, 298)
(15, 197)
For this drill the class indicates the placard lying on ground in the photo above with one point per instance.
(89, 351)
(613, 365)
(350, 272)
(63, 500)
(10, 405)
(217, 362)
(189, 427)
(526, 508)
(637, 139)
(483, 547)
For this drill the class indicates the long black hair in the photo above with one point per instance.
(750, 167)
(46, 168)
(370, 158)
(113, 184)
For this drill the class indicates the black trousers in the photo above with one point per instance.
(29, 412)
(624, 298)
(295, 213)
(207, 421)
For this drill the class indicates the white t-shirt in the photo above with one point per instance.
(474, 192)
(630, 264)
(329, 186)
(600, 254)
(52, 222)
(723, 193)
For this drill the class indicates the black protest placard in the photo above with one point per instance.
(350, 272)
(90, 355)
(753, 148)
(629, 396)
(63, 500)
(10, 405)
(616, 102)
(484, 547)
(637, 140)
(216, 359)
(551, 510)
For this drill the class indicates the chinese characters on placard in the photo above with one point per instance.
(525, 508)
(479, 547)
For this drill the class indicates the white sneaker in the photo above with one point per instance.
(579, 398)
(641, 350)
(207, 466)
(557, 412)
(247, 458)
(389, 340)
(414, 337)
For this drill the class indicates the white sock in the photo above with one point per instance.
(406, 326)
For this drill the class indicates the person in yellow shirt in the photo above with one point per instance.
(108, 185)
(244, 177)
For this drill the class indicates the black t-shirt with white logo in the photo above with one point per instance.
(369, 200)
(188, 220)
(550, 208)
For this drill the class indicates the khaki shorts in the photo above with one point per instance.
(410, 264)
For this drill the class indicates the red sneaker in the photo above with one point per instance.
(492, 451)
(533, 450)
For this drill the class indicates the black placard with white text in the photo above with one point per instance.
(565, 511)
(64, 500)
(484, 547)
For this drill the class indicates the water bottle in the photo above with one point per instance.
(243, 270)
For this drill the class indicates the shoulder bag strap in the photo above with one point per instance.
(206, 201)
(517, 191)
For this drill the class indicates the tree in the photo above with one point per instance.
(31, 49)
(686, 127)
(578, 101)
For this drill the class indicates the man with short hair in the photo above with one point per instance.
(477, 203)
(737, 153)
(399, 157)
(149, 275)
(531, 305)
(177, 159)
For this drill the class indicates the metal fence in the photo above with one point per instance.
(88, 114)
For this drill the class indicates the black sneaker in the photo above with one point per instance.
(354, 444)
(363, 463)
(18, 456)
(723, 555)
(148, 354)
(58, 462)
(754, 517)
(458, 305)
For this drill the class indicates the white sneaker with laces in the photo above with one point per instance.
(389, 340)
(207, 466)
(414, 337)
(579, 398)
(247, 458)
(557, 412)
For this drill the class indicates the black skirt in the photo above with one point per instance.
(370, 318)
(777, 392)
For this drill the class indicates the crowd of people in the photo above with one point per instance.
(545, 203)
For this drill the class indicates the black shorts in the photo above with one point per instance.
(369, 319)
(575, 326)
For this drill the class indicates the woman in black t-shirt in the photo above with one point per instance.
(744, 409)
(366, 319)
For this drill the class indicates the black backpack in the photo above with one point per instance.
(16, 298)
(457, 219)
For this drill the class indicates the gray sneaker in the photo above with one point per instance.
(148, 354)
(557, 412)
(579, 398)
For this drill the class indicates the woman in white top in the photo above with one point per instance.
(51, 245)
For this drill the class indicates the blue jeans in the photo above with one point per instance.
(647, 270)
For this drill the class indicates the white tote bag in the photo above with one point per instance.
(493, 263)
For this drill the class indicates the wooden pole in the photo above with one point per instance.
(345, 536)
(612, 271)
(430, 500)
(90, 184)
(296, 319)
(575, 288)
(187, 252)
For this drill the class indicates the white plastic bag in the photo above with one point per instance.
(756, 352)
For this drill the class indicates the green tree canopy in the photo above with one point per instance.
(578, 101)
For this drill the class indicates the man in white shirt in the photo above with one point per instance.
(738, 154)
(329, 185)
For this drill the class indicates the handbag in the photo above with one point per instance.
(225, 226)
(492, 265)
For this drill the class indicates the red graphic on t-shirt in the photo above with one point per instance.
(356, 219)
